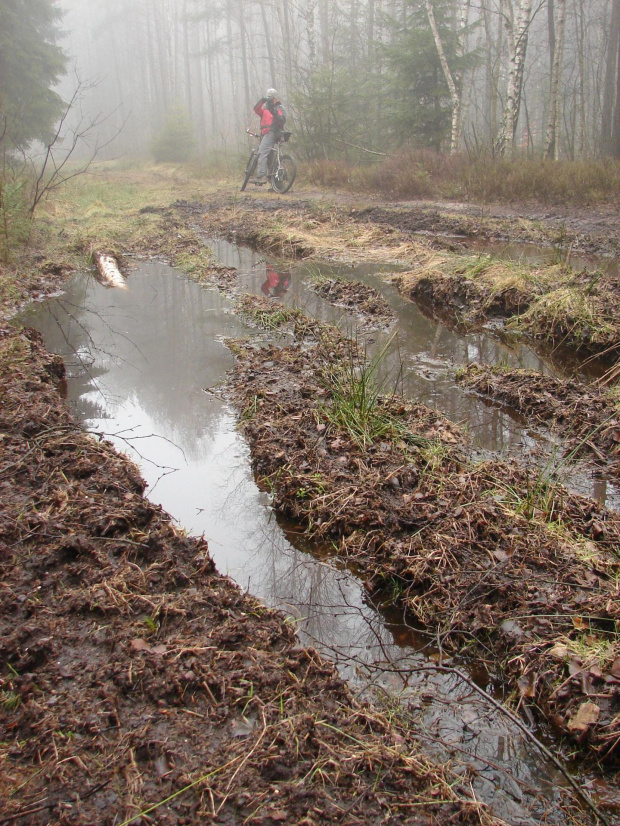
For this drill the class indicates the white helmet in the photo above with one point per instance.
(271, 93)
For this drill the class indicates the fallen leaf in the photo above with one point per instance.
(575, 666)
(278, 815)
(559, 651)
(140, 645)
(615, 669)
(587, 714)
(527, 685)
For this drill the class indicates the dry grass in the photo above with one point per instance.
(419, 173)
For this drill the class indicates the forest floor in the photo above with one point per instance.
(139, 685)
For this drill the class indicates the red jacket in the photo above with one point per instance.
(271, 117)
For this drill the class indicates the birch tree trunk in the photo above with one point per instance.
(552, 144)
(615, 134)
(455, 137)
(612, 60)
(581, 46)
(518, 51)
(244, 57)
(311, 33)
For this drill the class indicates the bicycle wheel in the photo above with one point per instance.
(284, 175)
(249, 170)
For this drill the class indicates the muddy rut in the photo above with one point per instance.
(140, 683)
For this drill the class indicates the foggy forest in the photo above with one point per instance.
(309, 456)
(536, 77)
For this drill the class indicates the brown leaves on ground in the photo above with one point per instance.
(474, 551)
(133, 673)
(587, 416)
(359, 298)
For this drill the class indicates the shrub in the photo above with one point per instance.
(175, 142)
(425, 173)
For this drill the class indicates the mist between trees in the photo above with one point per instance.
(360, 79)
(540, 77)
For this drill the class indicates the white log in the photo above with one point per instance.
(108, 270)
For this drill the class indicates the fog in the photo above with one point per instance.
(354, 75)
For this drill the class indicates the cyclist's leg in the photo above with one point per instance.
(266, 144)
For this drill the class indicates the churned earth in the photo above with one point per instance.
(139, 685)
(498, 561)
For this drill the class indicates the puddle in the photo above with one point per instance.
(541, 255)
(143, 365)
(422, 361)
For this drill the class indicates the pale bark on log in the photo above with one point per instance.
(108, 270)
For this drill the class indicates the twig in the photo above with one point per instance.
(362, 149)
(524, 729)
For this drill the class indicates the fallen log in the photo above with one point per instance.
(108, 270)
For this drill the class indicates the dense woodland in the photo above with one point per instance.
(359, 78)
(535, 76)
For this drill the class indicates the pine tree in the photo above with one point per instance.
(421, 100)
(31, 63)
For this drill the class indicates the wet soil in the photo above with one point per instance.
(452, 225)
(137, 679)
(523, 577)
(365, 301)
(588, 231)
(554, 304)
(585, 416)
(134, 670)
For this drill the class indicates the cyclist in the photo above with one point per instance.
(272, 118)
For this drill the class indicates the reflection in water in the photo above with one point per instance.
(142, 367)
(421, 364)
(276, 283)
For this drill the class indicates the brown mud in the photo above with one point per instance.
(372, 309)
(554, 304)
(586, 231)
(135, 675)
(524, 578)
(452, 225)
(586, 417)
(136, 679)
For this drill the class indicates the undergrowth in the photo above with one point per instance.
(422, 173)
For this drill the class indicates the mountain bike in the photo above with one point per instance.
(281, 168)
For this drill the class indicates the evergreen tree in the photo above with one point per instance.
(420, 101)
(31, 63)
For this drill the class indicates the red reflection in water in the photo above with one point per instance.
(276, 283)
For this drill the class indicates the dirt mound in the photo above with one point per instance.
(478, 553)
(587, 417)
(136, 679)
(359, 298)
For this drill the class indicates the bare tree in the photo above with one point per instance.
(557, 51)
(518, 51)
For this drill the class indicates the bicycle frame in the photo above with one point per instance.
(274, 164)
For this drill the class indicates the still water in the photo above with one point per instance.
(144, 365)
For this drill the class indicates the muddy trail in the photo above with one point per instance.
(500, 561)
(446, 538)
(138, 683)
(502, 567)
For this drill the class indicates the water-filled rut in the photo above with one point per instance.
(144, 367)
